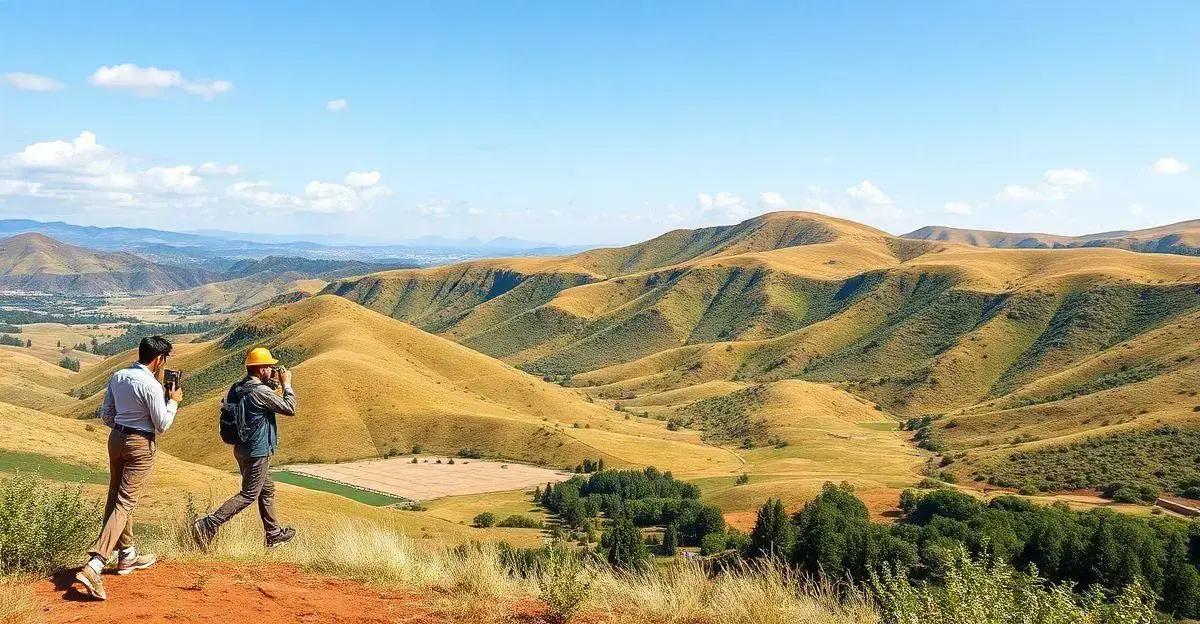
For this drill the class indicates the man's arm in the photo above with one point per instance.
(108, 411)
(162, 411)
(285, 405)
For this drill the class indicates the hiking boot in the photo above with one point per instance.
(201, 535)
(129, 565)
(281, 537)
(90, 579)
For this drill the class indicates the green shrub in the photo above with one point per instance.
(989, 591)
(43, 529)
(563, 583)
(470, 453)
(485, 519)
(712, 543)
(519, 521)
(70, 364)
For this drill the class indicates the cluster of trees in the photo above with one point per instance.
(11, 341)
(134, 333)
(833, 535)
(69, 363)
(588, 466)
(632, 500)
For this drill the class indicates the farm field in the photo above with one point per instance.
(428, 479)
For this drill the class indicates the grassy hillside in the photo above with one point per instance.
(369, 385)
(234, 294)
(1179, 238)
(34, 262)
(1010, 343)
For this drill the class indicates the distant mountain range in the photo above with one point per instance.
(217, 249)
(1177, 238)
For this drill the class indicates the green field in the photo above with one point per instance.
(363, 496)
(49, 468)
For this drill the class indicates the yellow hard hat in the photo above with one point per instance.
(260, 356)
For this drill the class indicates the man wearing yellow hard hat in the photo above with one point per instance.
(248, 423)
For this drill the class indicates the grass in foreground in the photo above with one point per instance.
(367, 497)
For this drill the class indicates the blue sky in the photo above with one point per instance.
(606, 122)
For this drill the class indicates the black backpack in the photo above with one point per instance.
(234, 428)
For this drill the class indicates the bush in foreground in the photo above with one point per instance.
(987, 591)
(43, 529)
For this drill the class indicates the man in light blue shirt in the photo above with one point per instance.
(137, 408)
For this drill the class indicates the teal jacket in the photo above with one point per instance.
(261, 406)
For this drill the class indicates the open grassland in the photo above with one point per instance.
(364, 496)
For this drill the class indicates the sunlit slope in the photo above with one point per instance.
(368, 384)
(34, 262)
(792, 436)
(235, 294)
(36, 435)
(1179, 238)
(948, 329)
(30, 382)
(525, 310)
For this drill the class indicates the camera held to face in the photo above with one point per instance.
(171, 379)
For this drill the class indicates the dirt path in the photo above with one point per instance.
(209, 593)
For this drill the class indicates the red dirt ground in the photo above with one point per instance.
(213, 593)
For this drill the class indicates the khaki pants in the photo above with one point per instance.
(130, 458)
(256, 486)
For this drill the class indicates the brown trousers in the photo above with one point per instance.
(130, 458)
(256, 486)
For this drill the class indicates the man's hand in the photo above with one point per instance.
(285, 376)
(176, 394)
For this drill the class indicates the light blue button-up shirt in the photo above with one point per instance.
(136, 399)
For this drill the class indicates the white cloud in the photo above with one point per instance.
(771, 200)
(957, 208)
(32, 82)
(722, 204)
(85, 175)
(362, 179)
(436, 208)
(259, 194)
(179, 179)
(208, 89)
(58, 154)
(1169, 165)
(1066, 177)
(866, 192)
(151, 81)
(337, 106)
(1056, 184)
(218, 170)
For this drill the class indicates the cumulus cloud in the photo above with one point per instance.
(866, 192)
(1169, 165)
(726, 205)
(771, 201)
(957, 208)
(1056, 184)
(32, 82)
(151, 81)
(337, 106)
(83, 173)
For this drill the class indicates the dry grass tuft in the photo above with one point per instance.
(16, 602)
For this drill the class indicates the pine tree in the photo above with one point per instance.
(600, 465)
(623, 541)
(772, 534)
(28, 342)
(670, 543)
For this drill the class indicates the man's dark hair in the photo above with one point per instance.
(153, 347)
